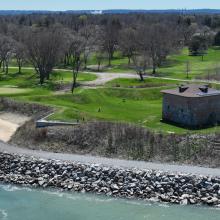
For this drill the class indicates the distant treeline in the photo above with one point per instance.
(114, 11)
(46, 40)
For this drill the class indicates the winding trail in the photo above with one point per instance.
(104, 77)
(111, 162)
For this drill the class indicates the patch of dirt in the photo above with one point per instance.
(12, 90)
(9, 123)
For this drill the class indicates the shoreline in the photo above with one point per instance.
(150, 185)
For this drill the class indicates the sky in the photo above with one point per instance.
(61, 5)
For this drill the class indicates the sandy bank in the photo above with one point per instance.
(9, 123)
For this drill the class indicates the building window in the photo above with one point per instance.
(168, 107)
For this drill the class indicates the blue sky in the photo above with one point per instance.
(106, 4)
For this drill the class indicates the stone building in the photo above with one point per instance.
(191, 106)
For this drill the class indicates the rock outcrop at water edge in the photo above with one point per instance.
(118, 182)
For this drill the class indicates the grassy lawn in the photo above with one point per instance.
(149, 82)
(139, 106)
(28, 78)
(125, 100)
(174, 67)
(66, 76)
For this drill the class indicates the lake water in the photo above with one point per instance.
(30, 204)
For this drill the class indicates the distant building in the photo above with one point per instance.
(191, 106)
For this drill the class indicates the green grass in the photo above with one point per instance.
(149, 82)
(29, 79)
(175, 66)
(139, 106)
(66, 76)
(135, 106)
(125, 100)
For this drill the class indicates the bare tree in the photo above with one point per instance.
(88, 34)
(162, 41)
(44, 49)
(111, 34)
(99, 47)
(187, 28)
(140, 56)
(20, 54)
(76, 50)
(141, 62)
(127, 42)
(6, 48)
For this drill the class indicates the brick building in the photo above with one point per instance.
(191, 106)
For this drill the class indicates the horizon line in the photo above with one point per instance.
(167, 9)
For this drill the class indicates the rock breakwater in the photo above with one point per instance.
(118, 182)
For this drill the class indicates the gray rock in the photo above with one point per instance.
(184, 202)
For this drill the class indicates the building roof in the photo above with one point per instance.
(192, 90)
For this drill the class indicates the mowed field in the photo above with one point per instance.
(124, 100)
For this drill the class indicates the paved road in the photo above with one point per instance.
(110, 162)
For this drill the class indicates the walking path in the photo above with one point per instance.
(104, 77)
(110, 162)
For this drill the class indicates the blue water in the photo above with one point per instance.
(31, 204)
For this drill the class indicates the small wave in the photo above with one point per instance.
(54, 193)
(164, 205)
(92, 198)
(79, 196)
(3, 214)
(12, 188)
(137, 203)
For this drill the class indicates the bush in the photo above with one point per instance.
(120, 140)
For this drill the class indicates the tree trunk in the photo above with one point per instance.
(3, 66)
(41, 78)
(74, 81)
(202, 57)
(19, 62)
(19, 69)
(6, 69)
(154, 69)
(85, 63)
(109, 60)
(141, 76)
(99, 64)
(129, 60)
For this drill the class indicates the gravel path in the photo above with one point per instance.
(104, 77)
(111, 162)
